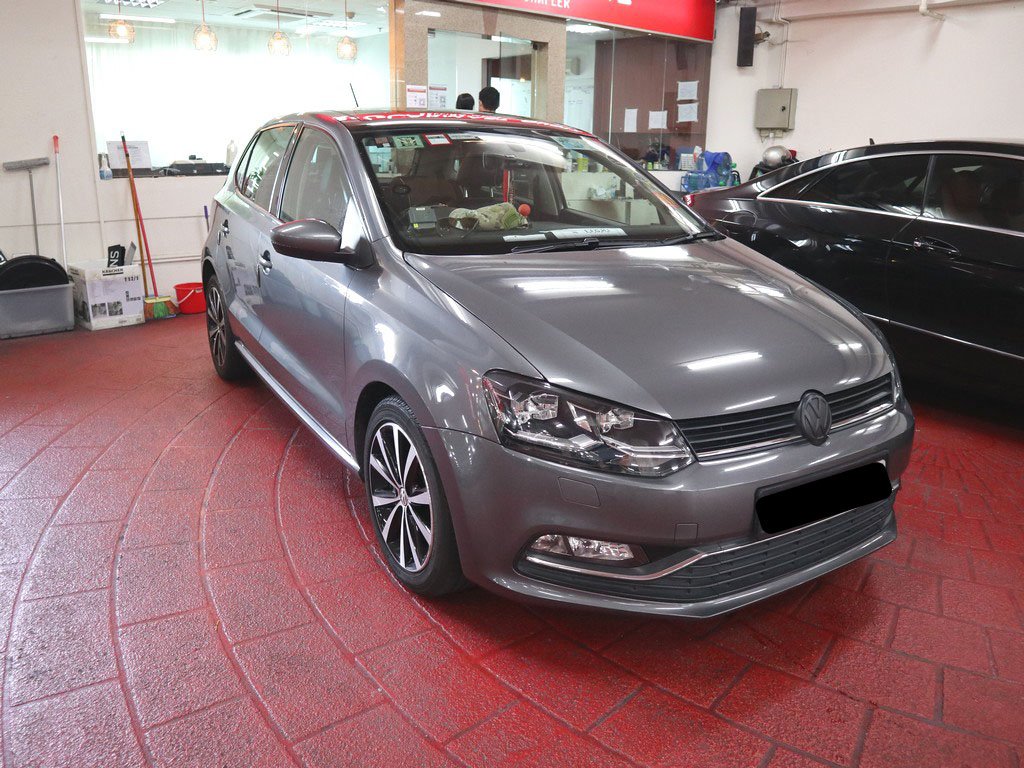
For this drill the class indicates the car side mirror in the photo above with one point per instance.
(312, 240)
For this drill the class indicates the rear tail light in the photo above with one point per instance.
(688, 199)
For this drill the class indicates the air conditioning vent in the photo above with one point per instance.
(259, 10)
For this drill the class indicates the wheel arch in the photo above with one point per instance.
(376, 382)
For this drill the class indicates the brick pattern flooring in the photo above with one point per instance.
(186, 579)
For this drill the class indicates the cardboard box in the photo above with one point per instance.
(108, 298)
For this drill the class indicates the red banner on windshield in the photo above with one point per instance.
(681, 18)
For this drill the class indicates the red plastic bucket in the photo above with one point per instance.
(191, 300)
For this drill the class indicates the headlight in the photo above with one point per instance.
(537, 418)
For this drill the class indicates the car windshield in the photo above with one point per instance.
(500, 190)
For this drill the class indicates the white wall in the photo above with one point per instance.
(893, 75)
(731, 99)
(43, 88)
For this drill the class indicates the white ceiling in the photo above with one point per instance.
(324, 16)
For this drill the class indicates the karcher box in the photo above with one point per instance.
(108, 298)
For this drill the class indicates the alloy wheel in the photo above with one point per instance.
(400, 497)
(216, 326)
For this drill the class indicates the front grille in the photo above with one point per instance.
(730, 571)
(717, 436)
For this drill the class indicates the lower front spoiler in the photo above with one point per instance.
(538, 582)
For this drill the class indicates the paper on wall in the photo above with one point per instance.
(686, 90)
(437, 96)
(687, 113)
(138, 151)
(657, 120)
(629, 121)
(415, 97)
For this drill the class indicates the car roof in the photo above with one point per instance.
(986, 146)
(358, 120)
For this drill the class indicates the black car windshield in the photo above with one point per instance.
(473, 190)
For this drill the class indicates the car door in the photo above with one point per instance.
(243, 216)
(303, 302)
(836, 224)
(958, 270)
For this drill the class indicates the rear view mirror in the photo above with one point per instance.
(310, 239)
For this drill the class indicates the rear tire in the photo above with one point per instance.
(227, 360)
(407, 504)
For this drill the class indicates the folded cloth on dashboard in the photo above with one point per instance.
(489, 218)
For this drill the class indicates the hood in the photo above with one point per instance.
(679, 331)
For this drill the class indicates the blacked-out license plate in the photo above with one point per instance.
(823, 498)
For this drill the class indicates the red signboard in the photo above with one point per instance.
(680, 18)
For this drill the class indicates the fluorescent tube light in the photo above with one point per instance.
(127, 17)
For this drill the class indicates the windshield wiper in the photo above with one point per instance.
(586, 244)
(704, 234)
(592, 243)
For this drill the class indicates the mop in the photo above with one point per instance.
(156, 306)
(30, 165)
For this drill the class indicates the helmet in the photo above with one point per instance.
(775, 156)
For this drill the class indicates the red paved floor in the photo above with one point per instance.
(185, 579)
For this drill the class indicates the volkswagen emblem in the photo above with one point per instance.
(814, 417)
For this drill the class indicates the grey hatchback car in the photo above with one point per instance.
(554, 379)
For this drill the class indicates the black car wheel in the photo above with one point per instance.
(227, 360)
(407, 503)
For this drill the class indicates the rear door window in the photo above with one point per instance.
(264, 162)
(979, 190)
(890, 184)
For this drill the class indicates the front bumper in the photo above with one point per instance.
(501, 500)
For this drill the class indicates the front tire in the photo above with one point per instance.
(227, 360)
(407, 504)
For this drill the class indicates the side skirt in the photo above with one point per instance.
(293, 405)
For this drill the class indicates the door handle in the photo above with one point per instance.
(265, 263)
(938, 246)
(225, 229)
(740, 218)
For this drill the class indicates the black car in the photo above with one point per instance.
(926, 237)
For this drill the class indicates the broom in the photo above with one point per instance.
(156, 306)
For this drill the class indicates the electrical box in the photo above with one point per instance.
(775, 109)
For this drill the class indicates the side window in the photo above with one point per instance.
(316, 187)
(243, 161)
(974, 189)
(264, 161)
(791, 190)
(891, 184)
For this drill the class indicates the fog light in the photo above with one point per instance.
(585, 549)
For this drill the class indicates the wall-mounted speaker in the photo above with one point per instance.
(748, 32)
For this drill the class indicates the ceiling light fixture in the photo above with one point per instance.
(128, 17)
(347, 48)
(204, 38)
(137, 3)
(584, 29)
(279, 44)
(121, 29)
